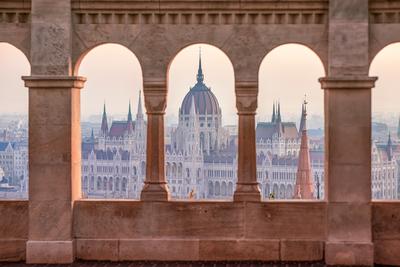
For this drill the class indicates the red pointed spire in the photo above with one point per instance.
(304, 188)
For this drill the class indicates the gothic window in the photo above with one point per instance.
(99, 183)
(105, 184)
(117, 184)
(110, 184)
(92, 183)
(124, 184)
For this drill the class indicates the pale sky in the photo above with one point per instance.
(286, 74)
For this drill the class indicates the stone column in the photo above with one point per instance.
(246, 102)
(348, 170)
(155, 187)
(54, 166)
(348, 135)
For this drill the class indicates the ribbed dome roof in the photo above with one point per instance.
(205, 101)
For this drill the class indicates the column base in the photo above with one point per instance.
(155, 192)
(349, 253)
(50, 252)
(247, 192)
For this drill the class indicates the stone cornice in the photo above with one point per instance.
(54, 82)
(348, 83)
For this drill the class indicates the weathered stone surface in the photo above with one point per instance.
(286, 220)
(387, 252)
(239, 250)
(159, 249)
(12, 250)
(343, 253)
(13, 220)
(386, 220)
(301, 250)
(97, 249)
(50, 252)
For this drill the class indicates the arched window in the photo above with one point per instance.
(385, 121)
(205, 112)
(288, 112)
(112, 66)
(14, 126)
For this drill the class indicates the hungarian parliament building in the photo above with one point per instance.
(201, 155)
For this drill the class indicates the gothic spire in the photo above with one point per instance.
(304, 188)
(303, 118)
(398, 130)
(129, 112)
(389, 148)
(129, 123)
(200, 76)
(104, 124)
(139, 109)
(92, 136)
(279, 119)
(273, 113)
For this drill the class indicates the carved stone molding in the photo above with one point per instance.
(246, 97)
(155, 96)
(348, 83)
(54, 82)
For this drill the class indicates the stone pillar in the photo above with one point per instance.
(54, 166)
(155, 187)
(246, 102)
(348, 135)
(348, 170)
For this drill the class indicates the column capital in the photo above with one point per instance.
(155, 96)
(54, 82)
(246, 97)
(344, 82)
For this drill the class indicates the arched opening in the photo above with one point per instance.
(290, 111)
(14, 168)
(113, 119)
(385, 150)
(201, 120)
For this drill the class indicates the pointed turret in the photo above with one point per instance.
(129, 125)
(104, 124)
(279, 119)
(139, 114)
(92, 137)
(273, 114)
(200, 76)
(389, 148)
(398, 130)
(302, 120)
(304, 188)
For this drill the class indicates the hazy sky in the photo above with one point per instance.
(286, 74)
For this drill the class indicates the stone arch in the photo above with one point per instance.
(117, 183)
(105, 184)
(275, 190)
(98, 183)
(282, 191)
(217, 189)
(230, 188)
(21, 47)
(289, 191)
(223, 188)
(266, 191)
(79, 55)
(210, 189)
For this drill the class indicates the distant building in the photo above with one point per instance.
(14, 165)
(201, 154)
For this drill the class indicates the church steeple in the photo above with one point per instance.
(398, 130)
(129, 125)
(200, 75)
(389, 148)
(279, 119)
(104, 124)
(304, 188)
(129, 112)
(139, 114)
(273, 114)
(302, 120)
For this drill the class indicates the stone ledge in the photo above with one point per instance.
(50, 252)
(349, 253)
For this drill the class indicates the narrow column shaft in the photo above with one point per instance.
(155, 187)
(246, 102)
